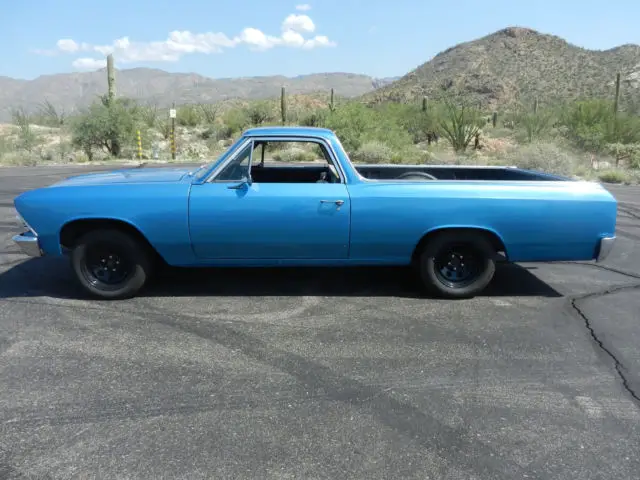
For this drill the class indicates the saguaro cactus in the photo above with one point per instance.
(283, 105)
(616, 100)
(111, 79)
(332, 105)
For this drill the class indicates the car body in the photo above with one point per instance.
(237, 211)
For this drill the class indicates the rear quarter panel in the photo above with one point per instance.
(537, 221)
(158, 210)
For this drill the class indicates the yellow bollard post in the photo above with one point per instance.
(139, 145)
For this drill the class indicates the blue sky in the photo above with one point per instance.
(221, 38)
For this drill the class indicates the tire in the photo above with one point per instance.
(443, 259)
(97, 251)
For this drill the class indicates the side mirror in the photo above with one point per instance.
(245, 182)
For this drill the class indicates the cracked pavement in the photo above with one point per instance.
(320, 374)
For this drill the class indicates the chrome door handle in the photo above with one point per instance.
(337, 202)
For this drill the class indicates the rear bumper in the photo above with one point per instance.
(28, 244)
(605, 247)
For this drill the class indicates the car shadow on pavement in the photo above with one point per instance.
(52, 277)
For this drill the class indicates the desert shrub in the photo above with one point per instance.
(21, 159)
(630, 153)
(373, 152)
(533, 125)
(545, 157)
(412, 119)
(459, 124)
(357, 124)
(27, 139)
(218, 132)
(294, 154)
(316, 118)
(150, 116)
(260, 112)
(613, 176)
(591, 124)
(104, 127)
(195, 151)
(188, 116)
(235, 120)
(209, 112)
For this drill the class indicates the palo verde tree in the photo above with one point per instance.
(105, 126)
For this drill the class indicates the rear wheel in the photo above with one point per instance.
(457, 264)
(111, 264)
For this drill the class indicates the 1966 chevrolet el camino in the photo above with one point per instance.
(453, 223)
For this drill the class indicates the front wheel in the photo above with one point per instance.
(457, 264)
(110, 264)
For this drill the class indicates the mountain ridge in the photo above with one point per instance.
(517, 63)
(74, 90)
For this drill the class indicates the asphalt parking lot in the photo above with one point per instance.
(276, 374)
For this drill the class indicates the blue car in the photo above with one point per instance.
(290, 196)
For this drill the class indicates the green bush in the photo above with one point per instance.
(629, 153)
(357, 124)
(235, 120)
(545, 157)
(373, 152)
(613, 176)
(104, 127)
(591, 124)
(459, 124)
(188, 116)
(294, 154)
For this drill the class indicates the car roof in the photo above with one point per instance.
(293, 131)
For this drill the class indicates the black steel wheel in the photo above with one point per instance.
(457, 264)
(111, 264)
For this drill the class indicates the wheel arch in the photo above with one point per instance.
(74, 229)
(494, 238)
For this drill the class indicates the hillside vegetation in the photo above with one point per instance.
(590, 137)
(519, 64)
(72, 91)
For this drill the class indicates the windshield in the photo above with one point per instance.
(204, 169)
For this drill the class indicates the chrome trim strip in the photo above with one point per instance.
(22, 223)
(28, 244)
(606, 245)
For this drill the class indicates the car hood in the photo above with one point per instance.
(133, 175)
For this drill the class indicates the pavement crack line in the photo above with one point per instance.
(624, 273)
(620, 369)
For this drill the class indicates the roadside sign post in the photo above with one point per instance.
(172, 116)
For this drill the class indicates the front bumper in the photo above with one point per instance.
(605, 247)
(28, 243)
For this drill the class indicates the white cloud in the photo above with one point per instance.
(67, 45)
(294, 29)
(87, 63)
(298, 23)
(304, 7)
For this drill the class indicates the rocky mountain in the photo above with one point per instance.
(519, 63)
(71, 91)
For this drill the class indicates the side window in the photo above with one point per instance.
(290, 161)
(238, 168)
(296, 152)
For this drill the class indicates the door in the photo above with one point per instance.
(234, 218)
